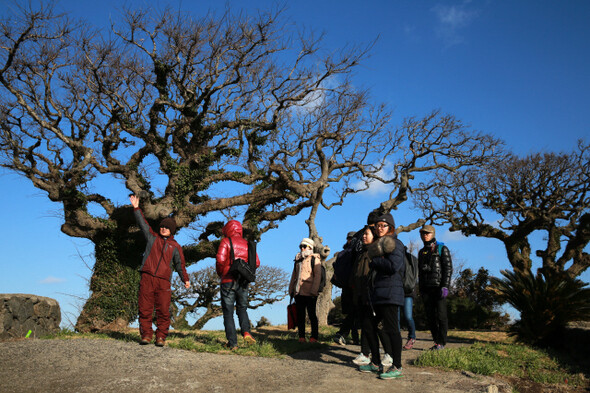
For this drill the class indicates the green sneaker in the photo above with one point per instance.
(391, 373)
(369, 368)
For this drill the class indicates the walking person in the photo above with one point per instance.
(304, 287)
(386, 295)
(162, 254)
(435, 270)
(233, 292)
(409, 318)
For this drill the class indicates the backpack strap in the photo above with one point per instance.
(232, 256)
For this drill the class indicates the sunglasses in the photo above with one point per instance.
(382, 226)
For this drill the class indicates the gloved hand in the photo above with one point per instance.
(444, 292)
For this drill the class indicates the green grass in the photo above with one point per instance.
(510, 360)
(489, 353)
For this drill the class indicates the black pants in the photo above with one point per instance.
(387, 314)
(436, 314)
(307, 303)
(350, 323)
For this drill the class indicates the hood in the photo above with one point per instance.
(232, 229)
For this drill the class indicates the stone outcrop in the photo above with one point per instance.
(20, 313)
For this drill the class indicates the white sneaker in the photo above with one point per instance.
(361, 360)
(387, 360)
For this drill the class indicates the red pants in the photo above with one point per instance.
(154, 291)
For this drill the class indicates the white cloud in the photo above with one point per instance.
(52, 280)
(450, 20)
(455, 236)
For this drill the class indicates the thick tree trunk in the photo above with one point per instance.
(114, 285)
(325, 304)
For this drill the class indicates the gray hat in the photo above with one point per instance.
(350, 234)
(428, 229)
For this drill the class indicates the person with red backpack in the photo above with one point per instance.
(161, 255)
(233, 292)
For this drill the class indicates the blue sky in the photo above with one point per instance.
(518, 70)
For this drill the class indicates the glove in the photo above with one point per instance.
(444, 292)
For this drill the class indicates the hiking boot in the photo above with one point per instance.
(387, 361)
(160, 342)
(410, 343)
(339, 339)
(361, 360)
(391, 373)
(145, 341)
(302, 340)
(313, 340)
(369, 368)
(249, 339)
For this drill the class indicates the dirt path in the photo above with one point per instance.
(99, 365)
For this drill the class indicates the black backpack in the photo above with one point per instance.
(242, 271)
(323, 277)
(342, 268)
(411, 274)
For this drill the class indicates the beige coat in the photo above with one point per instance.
(304, 282)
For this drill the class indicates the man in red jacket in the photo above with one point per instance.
(162, 253)
(232, 292)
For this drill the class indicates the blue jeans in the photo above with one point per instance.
(408, 303)
(232, 294)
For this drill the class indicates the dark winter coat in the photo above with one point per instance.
(233, 230)
(387, 270)
(161, 254)
(435, 269)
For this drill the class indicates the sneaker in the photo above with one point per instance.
(387, 361)
(231, 347)
(437, 347)
(302, 340)
(410, 343)
(339, 339)
(145, 341)
(313, 340)
(160, 342)
(391, 373)
(249, 339)
(369, 368)
(361, 360)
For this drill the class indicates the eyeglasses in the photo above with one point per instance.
(382, 226)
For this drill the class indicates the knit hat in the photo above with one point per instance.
(169, 223)
(388, 219)
(307, 242)
(372, 218)
(428, 229)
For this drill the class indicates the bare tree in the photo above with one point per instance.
(203, 118)
(270, 287)
(515, 197)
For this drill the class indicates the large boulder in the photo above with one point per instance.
(20, 313)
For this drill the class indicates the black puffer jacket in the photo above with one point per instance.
(435, 269)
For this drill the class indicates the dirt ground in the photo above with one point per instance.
(99, 365)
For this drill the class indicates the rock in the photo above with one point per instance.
(20, 313)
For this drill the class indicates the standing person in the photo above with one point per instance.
(409, 318)
(233, 293)
(162, 253)
(386, 295)
(349, 323)
(304, 287)
(435, 270)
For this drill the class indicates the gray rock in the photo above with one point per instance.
(20, 313)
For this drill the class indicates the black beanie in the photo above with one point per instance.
(169, 223)
(387, 218)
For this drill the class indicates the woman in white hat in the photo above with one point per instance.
(304, 287)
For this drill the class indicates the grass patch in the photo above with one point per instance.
(510, 360)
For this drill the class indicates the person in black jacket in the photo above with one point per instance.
(435, 269)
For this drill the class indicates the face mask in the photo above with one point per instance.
(307, 252)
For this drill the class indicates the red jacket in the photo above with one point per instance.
(232, 229)
(161, 254)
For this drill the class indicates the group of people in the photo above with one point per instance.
(374, 293)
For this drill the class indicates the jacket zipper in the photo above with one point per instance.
(161, 256)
